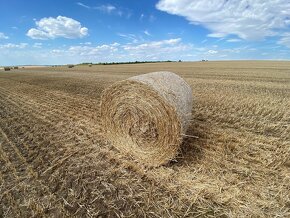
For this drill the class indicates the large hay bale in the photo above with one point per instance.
(70, 65)
(145, 116)
(7, 68)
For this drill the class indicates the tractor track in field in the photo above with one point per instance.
(26, 179)
(24, 114)
(17, 156)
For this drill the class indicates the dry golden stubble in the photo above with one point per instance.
(146, 116)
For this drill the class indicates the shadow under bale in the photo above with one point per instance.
(194, 143)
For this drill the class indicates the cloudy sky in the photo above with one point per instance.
(68, 31)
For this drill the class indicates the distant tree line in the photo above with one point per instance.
(128, 62)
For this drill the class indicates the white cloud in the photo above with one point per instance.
(285, 40)
(107, 9)
(216, 35)
(153, 45)
(131, 37)
(83, 5)
(170, 49)
(51, 28)
(115, 44)
(85, 43)
(141, 17)
(212, 52)
(38, 34)
(93, 50)
(151, 18)
(234, 40)
(13, 46)
(248, 19)
(3, 36)
(37, 45)
(146, 32)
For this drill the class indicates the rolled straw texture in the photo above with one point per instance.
(145, 116)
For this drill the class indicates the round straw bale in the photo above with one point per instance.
(145, 116)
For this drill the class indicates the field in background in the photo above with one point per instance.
(53, 161)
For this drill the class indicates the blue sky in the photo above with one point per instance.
(67, 31)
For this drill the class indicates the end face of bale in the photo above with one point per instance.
(142, 122)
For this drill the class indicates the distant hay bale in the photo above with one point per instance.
(7, 68)
(90, 65)
(70, 65)
(16, 68)
(146, 116)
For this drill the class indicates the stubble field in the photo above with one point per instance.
(54, 162)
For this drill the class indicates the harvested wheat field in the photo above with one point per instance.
(54, 161)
